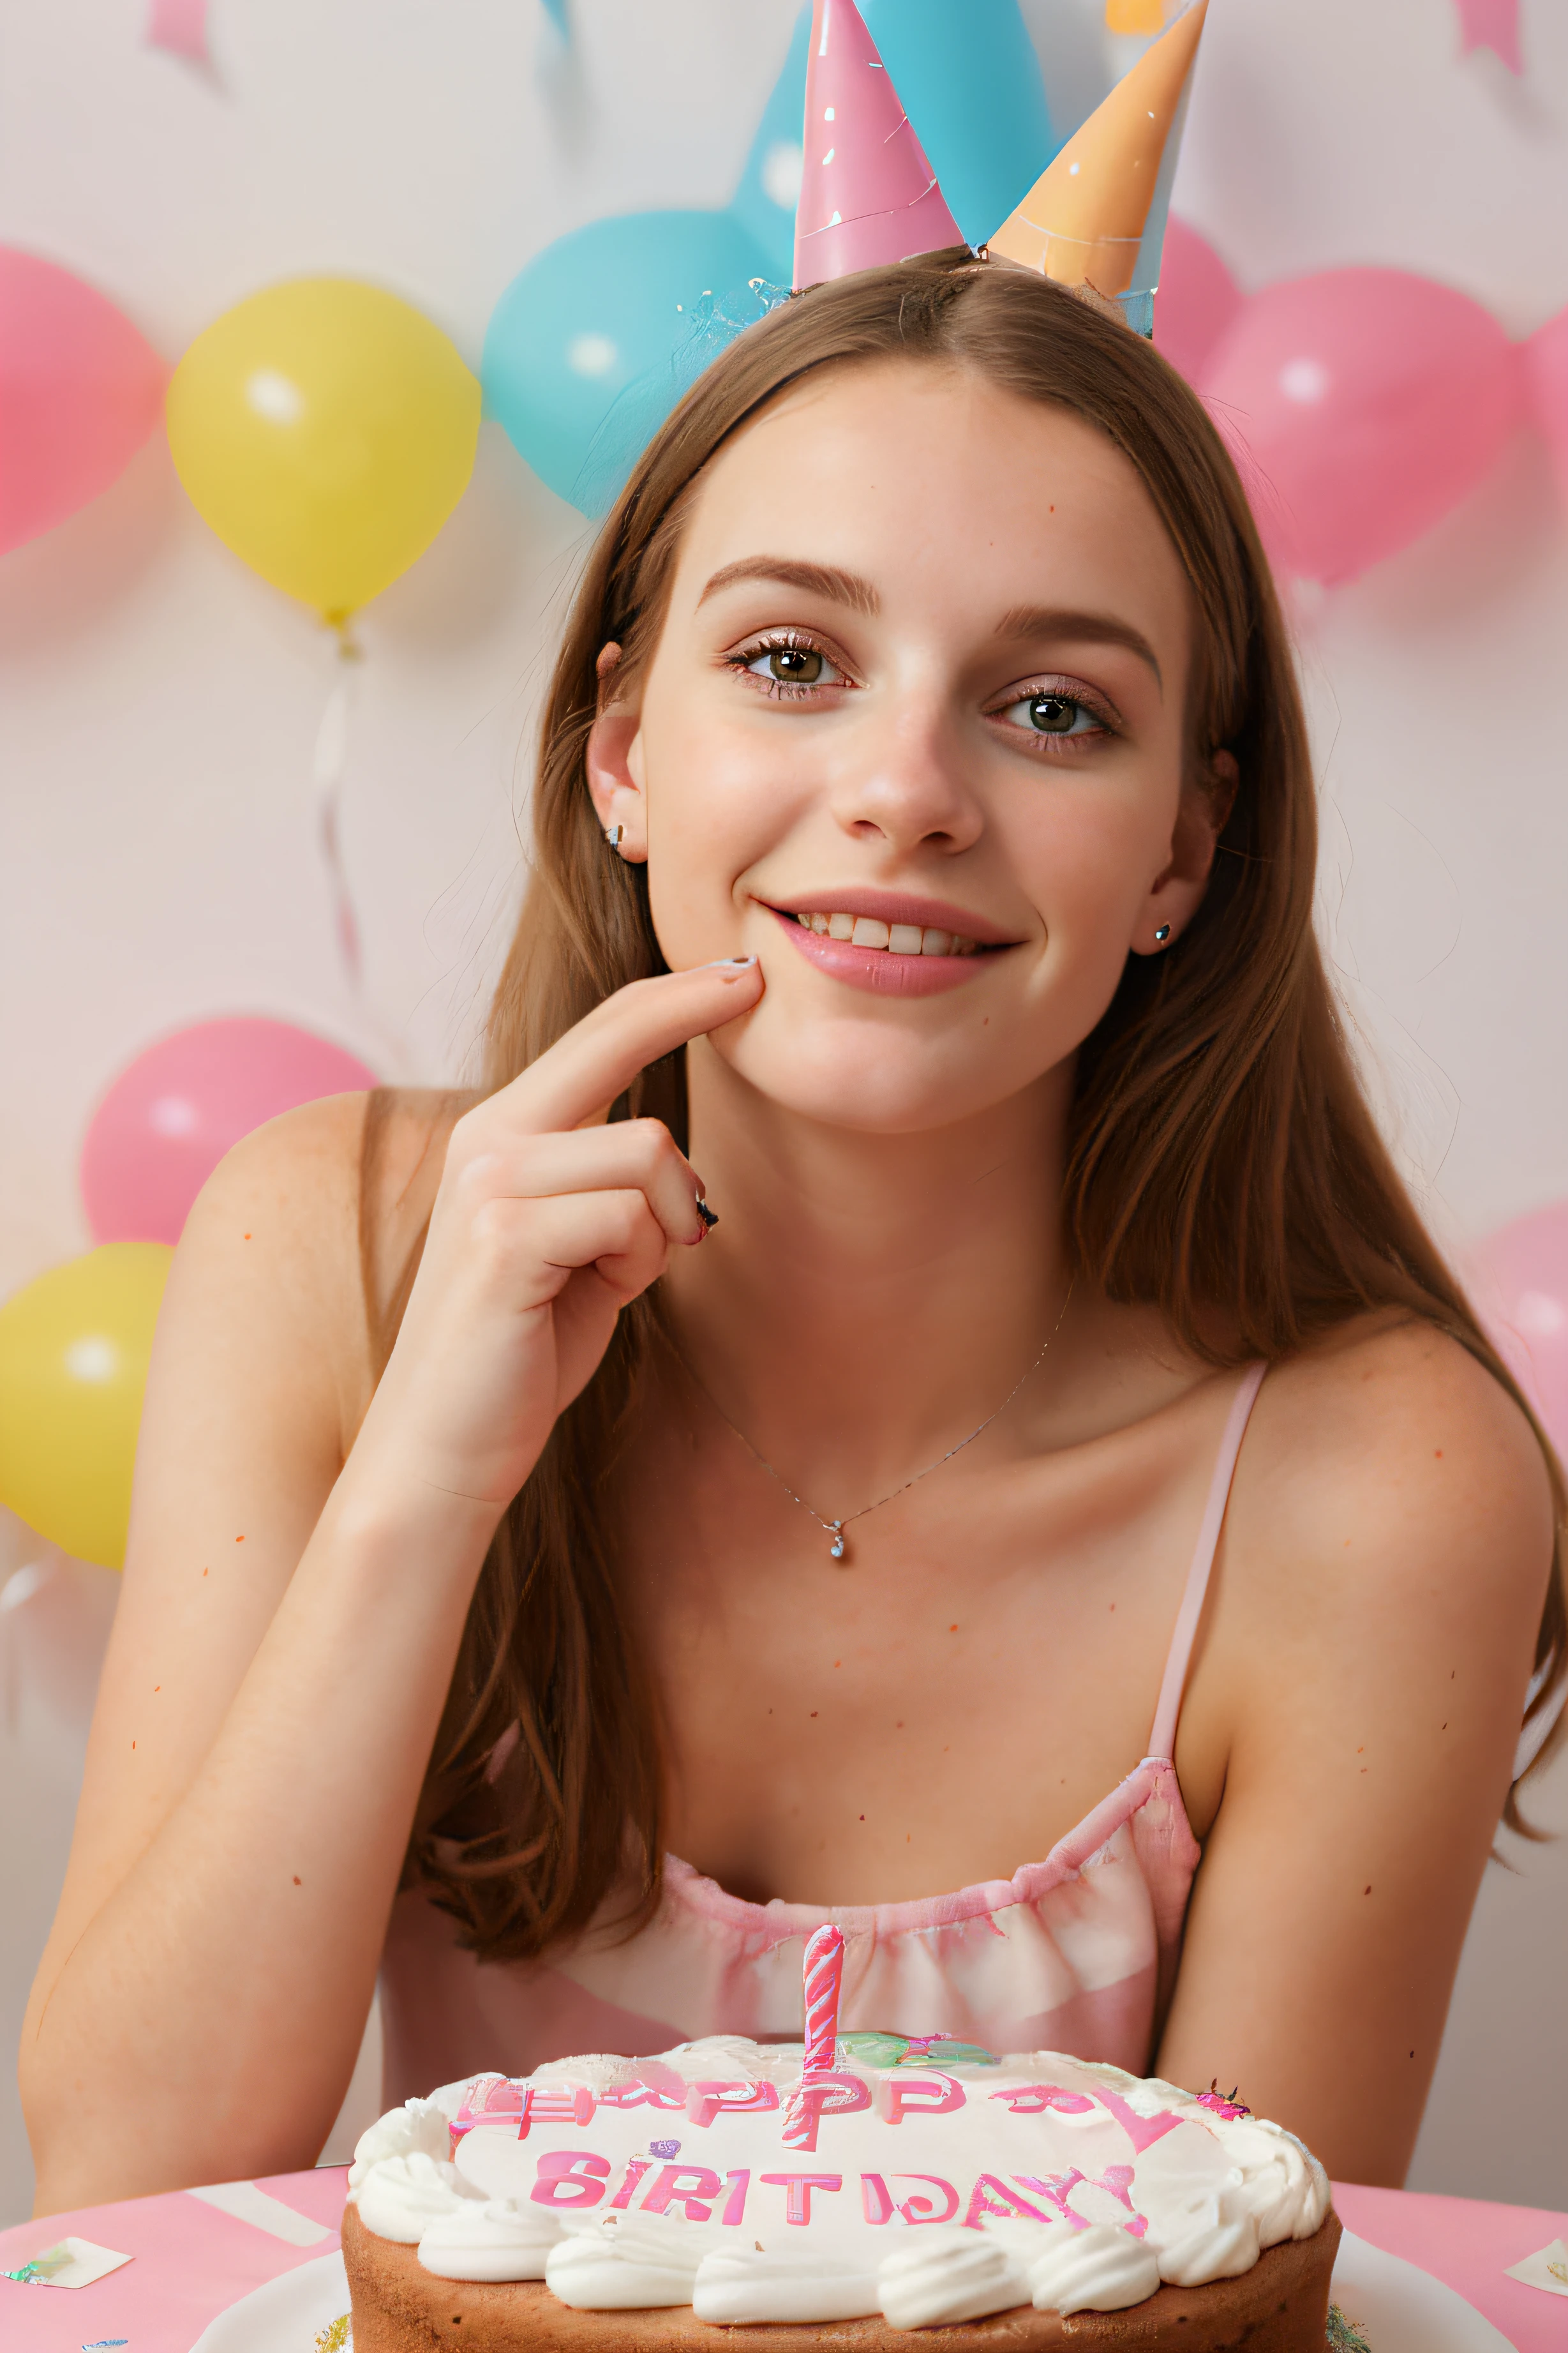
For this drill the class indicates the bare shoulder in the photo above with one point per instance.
(301, 1211)
(1390, 1537)
(1390, 1437)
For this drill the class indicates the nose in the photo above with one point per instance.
(904, 781)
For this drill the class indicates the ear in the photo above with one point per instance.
(1178, 889)
(614, 760)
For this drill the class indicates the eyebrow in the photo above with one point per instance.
(817, 579)
(1091, 628)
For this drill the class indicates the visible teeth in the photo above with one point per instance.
(899, 939)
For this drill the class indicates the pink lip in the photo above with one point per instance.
(902, 907)
(878, 970)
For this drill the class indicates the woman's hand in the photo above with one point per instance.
(547, 1222)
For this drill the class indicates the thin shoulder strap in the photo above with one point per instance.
(1163, 1739)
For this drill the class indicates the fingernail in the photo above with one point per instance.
(710, 1217)
(730, 964)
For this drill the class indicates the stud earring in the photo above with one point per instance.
(1161, 935)
(615, 835)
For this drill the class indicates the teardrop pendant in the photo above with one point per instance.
(836, 1549)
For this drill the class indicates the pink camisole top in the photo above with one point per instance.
(1075, 1954)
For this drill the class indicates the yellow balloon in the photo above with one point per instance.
(325, 430)
(74, 1347)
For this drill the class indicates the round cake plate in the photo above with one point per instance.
(1400, 2309)
(285, 2315)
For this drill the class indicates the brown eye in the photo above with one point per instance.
(1052, 715)
(1049, 714)
(795, 665)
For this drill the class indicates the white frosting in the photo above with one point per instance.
(1214, 2251)
(1102, 2269)
(623, 2263)
(400, 2197)
(1220, 2240)
(418, 2125)
(751, 2285)
(935, 2187)
(948, 2274)
(498, 2239)
(1282, 2186)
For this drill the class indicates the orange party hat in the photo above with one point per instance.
(868, 196)
(1082, 222)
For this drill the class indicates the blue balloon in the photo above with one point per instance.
(969, 79)
(764, 202)
(608, 307)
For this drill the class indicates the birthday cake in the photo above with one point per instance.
(846, 2189)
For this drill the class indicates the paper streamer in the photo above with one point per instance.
(329, 768)
(1491, 25)
(180, 27)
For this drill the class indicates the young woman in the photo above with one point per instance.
(923, 877)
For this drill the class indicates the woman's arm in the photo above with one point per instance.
(289, 1627)
(276, 1669)
(1384, 1564)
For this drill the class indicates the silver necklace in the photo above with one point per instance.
(835, 1528)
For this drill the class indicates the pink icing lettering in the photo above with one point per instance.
(693, 2187)
(1034, 2099)
(735, 2204)
(1116, 2181)
(923, 2096)
(570, 2177)
(815, 2096)
(1142, 2131)
(993, 2197)
(556, 2103)
(797, 2204)
(652, 2087)
(876, 2203)
(1058, 2187)
(917, 2208)
(635, 2168)
(705, 2100)
(490, 2100)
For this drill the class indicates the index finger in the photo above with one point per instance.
(597, 1060)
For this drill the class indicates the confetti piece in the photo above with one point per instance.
(334, 2337)
(1547, 2268)
(70, 2263)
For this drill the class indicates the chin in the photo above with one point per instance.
(868, 1080)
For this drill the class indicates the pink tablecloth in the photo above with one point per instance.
(192, 2260)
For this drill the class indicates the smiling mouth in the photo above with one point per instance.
(893, 939)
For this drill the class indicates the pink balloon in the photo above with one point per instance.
(79, 392)
(1546, 375)
(1197, 300)
(1362, 405)
(171, 1115)
(1520, 1283)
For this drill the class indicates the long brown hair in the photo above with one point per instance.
(1221, 1164)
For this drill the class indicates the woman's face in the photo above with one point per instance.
(921, 683)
